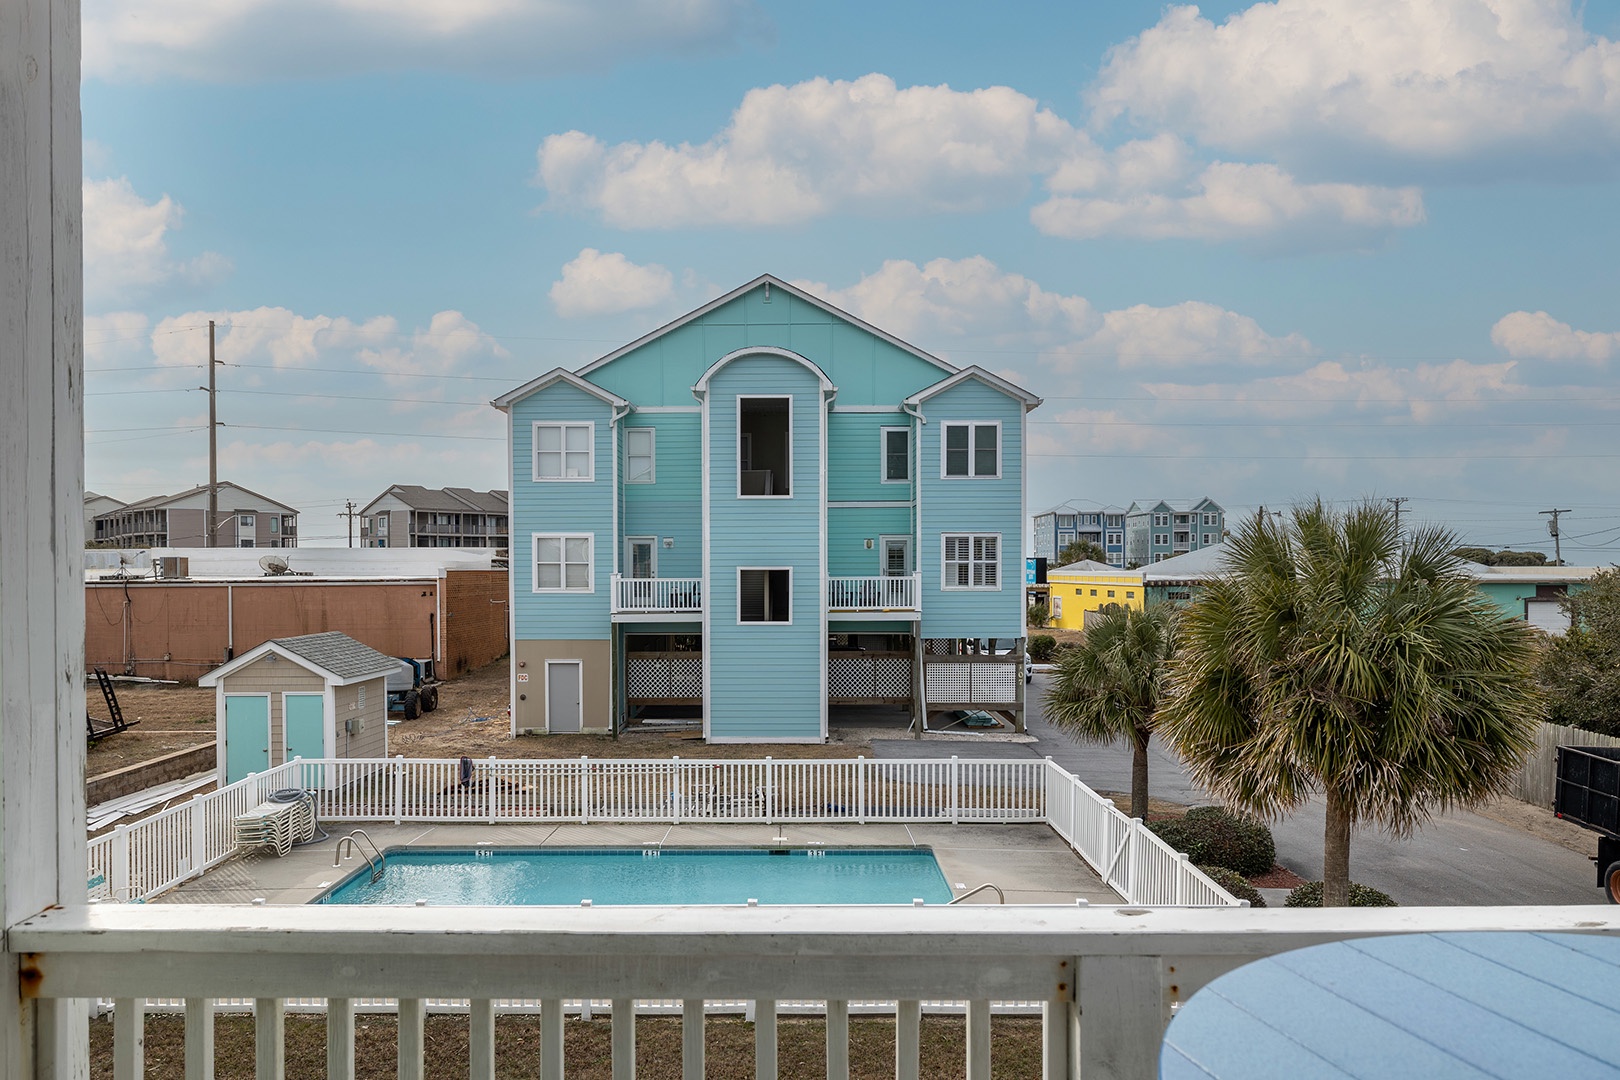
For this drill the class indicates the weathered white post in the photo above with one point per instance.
(42, 843)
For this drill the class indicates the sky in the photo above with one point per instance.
(1348, 249)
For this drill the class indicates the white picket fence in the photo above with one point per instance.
(140, 860)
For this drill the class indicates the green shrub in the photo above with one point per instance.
(1041, 646)
(1215, 836)
(1038, 615)
(1310, 895)
(1236, 884)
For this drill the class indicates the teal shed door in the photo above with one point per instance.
(305, 717)
(247, 735)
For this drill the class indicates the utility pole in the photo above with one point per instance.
(1396, 501)
(1552, 529)
(348, 511)
(213, 444)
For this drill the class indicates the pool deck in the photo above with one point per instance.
(1030, 863)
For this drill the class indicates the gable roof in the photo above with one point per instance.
(1200, 565)
(335, 656)
(769, 281)
(990, 379)
(154, 501)
(455, 500)
(1089, 566)
(507, 399)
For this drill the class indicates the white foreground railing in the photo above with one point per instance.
(140, 860)
(873, 593)
(657, 594)
(1109, 978)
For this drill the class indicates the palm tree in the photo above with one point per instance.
(1110, 685)
(1335, 656)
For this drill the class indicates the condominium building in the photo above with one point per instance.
(407, 515)
(243, 519)
(1156, 531)
(1057, 528)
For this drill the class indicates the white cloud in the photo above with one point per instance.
(955, 297)
(1538, 335)
(792, 153)
(250, 39)
(126, 250)
(1417, 392)
(1182, 335)
(594, 283)
(1420, 80)
(1232, 201)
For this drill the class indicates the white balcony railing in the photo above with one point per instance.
(657, 595)
(846, 594)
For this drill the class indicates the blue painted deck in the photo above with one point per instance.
(1422, 1005)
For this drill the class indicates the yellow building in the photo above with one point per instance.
(1079, 591)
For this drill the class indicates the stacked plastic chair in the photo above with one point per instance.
(277, 824)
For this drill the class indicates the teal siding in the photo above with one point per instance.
(855, 457)
(671, 508)
(561, 508)
(849, 528)
(765, 679)
(972, 506)
(866, 369)
(1509, 596)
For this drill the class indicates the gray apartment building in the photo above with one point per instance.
(1156, 531)
(244, 519)
(1057, 528)
(410, 516)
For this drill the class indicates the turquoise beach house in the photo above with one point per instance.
(762, 511)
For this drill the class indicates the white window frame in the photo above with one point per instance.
(1116, 539)
(651, 455)
(947, 579)
(765, 622)
(1207, 538)
(590, 562)
(564, 425)
(1161, 521)
(971, 425)
(247, 521)
(746, 439)
(883, 455)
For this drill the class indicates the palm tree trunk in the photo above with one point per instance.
(1336, 851)
(1139, 774)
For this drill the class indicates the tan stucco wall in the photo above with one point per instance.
(596, 683)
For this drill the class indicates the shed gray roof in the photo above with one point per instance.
(338, 653)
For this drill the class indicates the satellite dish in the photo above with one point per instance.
(273, 564)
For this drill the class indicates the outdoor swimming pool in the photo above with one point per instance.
(504, 876)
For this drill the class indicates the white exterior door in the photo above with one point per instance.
(641, 556)
(896, 556)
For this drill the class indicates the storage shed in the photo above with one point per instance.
(313, 696)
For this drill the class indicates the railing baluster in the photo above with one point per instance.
(837, 1040)
(692, 1039)
(481, 1039)
(907, 1040)
(340, 1038)
(269, 1039)
(551, 1039)
(624, 1039)
(1059, 1031)
(765, 1039)
(129, 1039)
(978, 1040)
(411, 1045)
(199, 1039)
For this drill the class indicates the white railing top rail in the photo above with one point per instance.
(763, 952)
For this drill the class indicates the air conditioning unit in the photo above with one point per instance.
(173, 566)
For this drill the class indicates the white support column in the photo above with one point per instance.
(551, 1039)
(692, 1039)
(837, 1040)
(129, 1039)
(199, 1039)
(1122, 1017)
(765, 1039)
(340, 1038)
(1057, 1046)
(908, 1040)
(624, 1039)
(978, 1040)
(481, 1039)
(412, 1015)
(269, 1039)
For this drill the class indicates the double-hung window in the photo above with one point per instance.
(970, 561)
(971, 451)
(564, 451)
(896, 455)
(639, 444)
(562, 562)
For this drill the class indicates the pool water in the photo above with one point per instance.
(501, 876)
